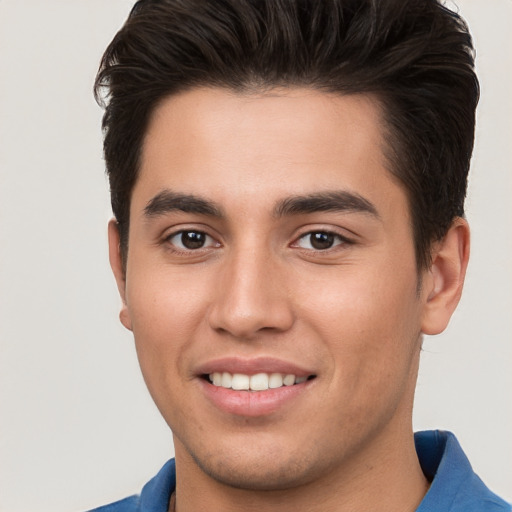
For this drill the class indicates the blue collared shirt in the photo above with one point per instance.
(455, 486)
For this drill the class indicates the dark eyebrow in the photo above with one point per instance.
(336, 201)
(168, 201)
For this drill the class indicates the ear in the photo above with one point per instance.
(445, 278)
(116, 263)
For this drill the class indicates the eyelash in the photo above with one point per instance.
(336, 237)
(332, 236)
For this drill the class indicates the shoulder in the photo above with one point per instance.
(154, 497)
(455, 487)
(130, 504)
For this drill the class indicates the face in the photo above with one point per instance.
(271, 249)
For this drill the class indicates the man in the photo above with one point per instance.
(288, 182)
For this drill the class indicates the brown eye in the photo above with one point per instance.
(190, 240)
(320, 240)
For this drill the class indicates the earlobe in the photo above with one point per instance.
(445, 278)
(116, 264)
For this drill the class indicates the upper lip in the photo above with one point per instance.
(252, 366)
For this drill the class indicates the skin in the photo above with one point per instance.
(349, 315)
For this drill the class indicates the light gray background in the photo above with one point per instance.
(78, 428)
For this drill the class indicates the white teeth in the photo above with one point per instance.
(240, 382)
(275, 380)
(226, 379)
(257, 382)
(289, 380)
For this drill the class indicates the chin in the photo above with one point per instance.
(259, 472)
(262, 479)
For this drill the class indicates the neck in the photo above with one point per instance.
(385, 478)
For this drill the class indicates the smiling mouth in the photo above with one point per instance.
(256, 382)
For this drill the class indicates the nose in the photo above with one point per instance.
(251, 297)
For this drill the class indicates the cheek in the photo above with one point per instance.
(165, 301)
(349, 299)
(370, 337)
(167, 312)
(370, 322)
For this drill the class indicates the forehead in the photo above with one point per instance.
(263, 146)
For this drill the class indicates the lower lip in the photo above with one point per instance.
(252, 403)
